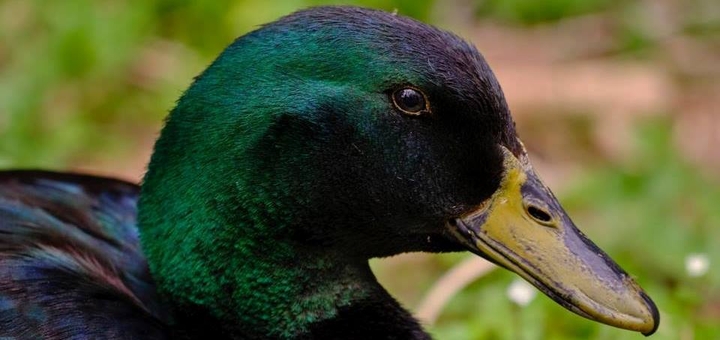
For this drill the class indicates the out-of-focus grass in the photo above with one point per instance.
(535, 12)
(635, 27)
(85, 81)
(654, 213)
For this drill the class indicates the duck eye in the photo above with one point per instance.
(410, 101)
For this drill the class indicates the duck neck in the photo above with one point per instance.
(266, 290)
(237, 269)
(319, 301)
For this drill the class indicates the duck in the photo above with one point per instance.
(329, 137)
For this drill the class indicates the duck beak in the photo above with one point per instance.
(523, 228)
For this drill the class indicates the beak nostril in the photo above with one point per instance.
(539, 214)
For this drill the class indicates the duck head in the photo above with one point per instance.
(360, 134)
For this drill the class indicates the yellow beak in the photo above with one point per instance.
(523, 228)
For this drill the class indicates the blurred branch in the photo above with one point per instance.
(455, 280)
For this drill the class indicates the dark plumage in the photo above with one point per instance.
(70, 259)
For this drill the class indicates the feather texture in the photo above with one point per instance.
(70, 260)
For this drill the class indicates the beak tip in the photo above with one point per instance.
(654, 312)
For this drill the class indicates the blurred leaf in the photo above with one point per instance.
(535, 12)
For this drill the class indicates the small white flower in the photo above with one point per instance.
(697, 264)
(521, 292)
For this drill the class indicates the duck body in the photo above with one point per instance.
(329, 137)
(70, 259)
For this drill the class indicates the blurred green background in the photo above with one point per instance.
(617, 102)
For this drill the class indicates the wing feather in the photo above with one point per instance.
(70, 260)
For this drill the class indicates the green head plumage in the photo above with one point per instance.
(295, 157)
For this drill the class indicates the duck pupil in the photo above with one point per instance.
(410, 100)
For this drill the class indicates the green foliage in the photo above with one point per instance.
(65, 69)
(534, 12)
(665, 210)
